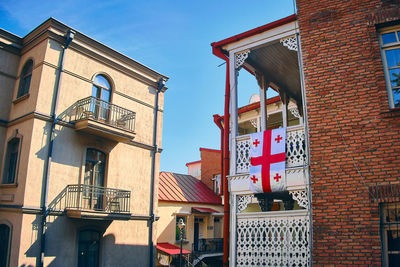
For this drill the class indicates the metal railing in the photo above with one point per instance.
(102, 111)
(208, 245)
(96, 198)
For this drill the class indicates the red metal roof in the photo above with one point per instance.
(255, 31)
(204, 210)
(171, 249)
(185, 188)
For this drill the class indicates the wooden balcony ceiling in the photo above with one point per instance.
(279, 65)
(176, 187)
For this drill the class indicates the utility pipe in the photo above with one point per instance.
(218, 121)
(161, 88)
(217, 51)
(50, 140)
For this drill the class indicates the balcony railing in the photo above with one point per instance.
(295, 150)
(208, 245)
(102, 111)
(95, 198)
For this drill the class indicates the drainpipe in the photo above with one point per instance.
(218, 121)
(50, 140)
(161, 88)
(218, 52)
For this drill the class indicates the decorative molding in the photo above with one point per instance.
(301, 197)
(290, 43)
(240, 58)
(242, 202)
(295, 112)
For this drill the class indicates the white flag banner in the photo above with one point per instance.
(267, 161)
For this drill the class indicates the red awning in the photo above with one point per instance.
(204, 210)
(171, 249)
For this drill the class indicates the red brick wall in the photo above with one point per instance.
(347, 105)
(210, 165)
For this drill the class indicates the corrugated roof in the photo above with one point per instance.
(185, 188)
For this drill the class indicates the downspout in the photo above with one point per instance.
(50, 140)
(161, 88)
(217, 120)
(218, 52)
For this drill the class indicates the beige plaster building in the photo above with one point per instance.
(79, 151)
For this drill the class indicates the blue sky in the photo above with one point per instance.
(173, 38)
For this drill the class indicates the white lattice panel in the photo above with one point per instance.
(242, 202)
(301, 197)
(272, 241)
(295, 150)
(243, 155)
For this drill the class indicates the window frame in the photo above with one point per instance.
(26, 72)
(6, 157)
(386, 47)
(385, 227)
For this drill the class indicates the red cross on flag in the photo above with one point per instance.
(267, 161)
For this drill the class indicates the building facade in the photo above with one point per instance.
(184, 197)
(336, 63)
(80, 137)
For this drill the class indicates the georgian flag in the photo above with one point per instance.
(267, 161)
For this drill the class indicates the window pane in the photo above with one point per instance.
(394, 260)
(395, 77)
(393, 57)
(4, 242)
(105, 95)
(102, 81)
(396, 98)
(389, 38)
(10, 165)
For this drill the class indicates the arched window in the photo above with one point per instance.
(101, 88)
(25, 78)
(11, 161)
(101, 91)
(4, 244)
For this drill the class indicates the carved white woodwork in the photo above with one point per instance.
(301, 197)
(290, 43)
(295, 150)
(295, 112)
(254, 123)
(266, 240)
(240, 58)
(242, 202)
(243, 154)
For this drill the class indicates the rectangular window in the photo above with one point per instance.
(11, 161)
(177, 233)
(390, 51)
(390, 233)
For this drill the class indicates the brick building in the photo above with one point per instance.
(341, 70)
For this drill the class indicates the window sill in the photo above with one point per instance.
(8, 185)
(21, 98)
(392, 113)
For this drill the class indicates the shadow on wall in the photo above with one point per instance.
(62, 244)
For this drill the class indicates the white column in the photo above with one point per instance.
(232, 236)
(284, 108)
(233, 115)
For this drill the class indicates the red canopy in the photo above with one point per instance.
(171, 249)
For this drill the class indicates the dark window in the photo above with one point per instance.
(25, 79)
(88, 248)
(11, 161)
(4, 244)
(95, 166)
(390, 233)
